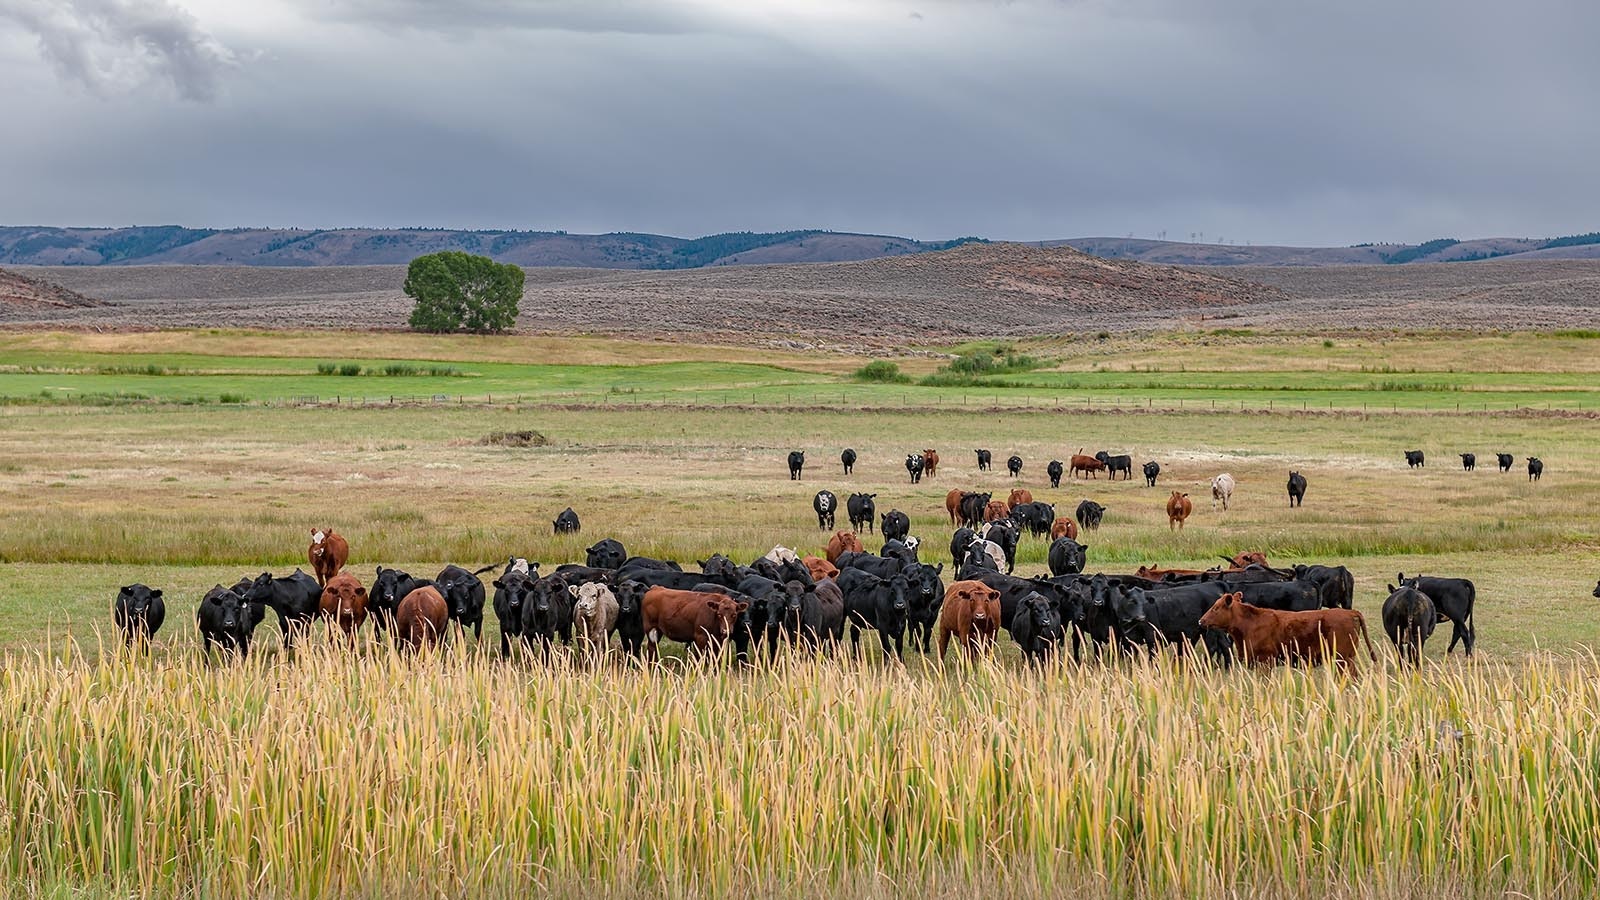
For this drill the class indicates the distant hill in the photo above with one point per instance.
(175, 245)
(17, 289)
(1578, 246)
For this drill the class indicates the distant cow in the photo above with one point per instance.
(848, 457)
(983, 460)
(420, 620)
(1037, 628)
(797, 462)
(1115, 464)
(1055, 470)
(1088, 515)
(1063, 528)
(1414, 458)
(1268, 636)
(1067, 557)
(930, 462)
(344, 604)
(705, 620)
(973, 508)
(842, 542)
(567, 522)
(863, 511)
(1453, 599)
(1535, 468)
(1469, 461)
(825, 504)
(1036, 517)
(1018, 497)
(1086, 465)
(225, 621)
(1297, 489)
(952, 504)
(1179, 508)
(138, 612)
(915, 465)
(1151, 470)
(594, 615)
(607, 554)
(895, 525)
(1014, 466)
(1409, 617)
(971, 613)
(328, 553)
(1597, 591)
(1505, 460)
(1221, 489)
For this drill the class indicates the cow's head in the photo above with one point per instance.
(1223, 613)
(1038, 609)
(547, 596)
(226, 610)
(137, 599)
(897, 596)
(513, 588)
(792, 600)
(630, 599)
(725, 613)
(928, 588)
(608, 554)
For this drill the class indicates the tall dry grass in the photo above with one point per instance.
(339, 775)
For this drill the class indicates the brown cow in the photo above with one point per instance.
(995, 511)
(1086, 464)
(328, 554)
(1247, 559)
(1064, 528)
(1018, 496)
(930, 462)
(1267, 636)
(1178, 509)
(689, 617)
(820, 568)
(421, 618)
(842, 542)
(971, 612)
(952, 504)
(344, 603)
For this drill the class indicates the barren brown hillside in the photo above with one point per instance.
(29, 294)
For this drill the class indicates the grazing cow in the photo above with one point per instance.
(930, 462)
(1221, 489)
(1086, 465)
(1469, 461)
(1178, 509)
(959, 542)
(296, 598)
(420, 620)
(567, 522)
(1453, 599)
(952, 504)
(842, 542)
(1297, 489)
(1151, 470)
(225, 620)
(1115, 464)
(927, 595)
(1414, 458)
(1014, 466)
(1268, 636)
(1505, 460)
(463, 596)
(630, 615)
(1055, 471)
(973, 509)
(1535, 468)
(594, 615)
(1037, 628)
(1089, 514)
(1005, 533)
(848, 457)
(328, 553)
(1336, 587)
(1017, 497)
(819, 568)
(895, 525)
(915, 463)
(1067, 557)
(1409, 617)
(995, 511)
(822, 614)
(797, 462)
(344, 603)
(138, 612)
(863, 511)
(983, 460)
(825, 504)
(1063, 527)
(878, 603)
(608, 554)
(383, 601)
(971, 612)
(511, 592)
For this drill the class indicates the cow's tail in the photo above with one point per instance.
(1472, 603)
(489, 568)
(1362, 621)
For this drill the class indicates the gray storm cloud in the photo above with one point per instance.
(112, 44)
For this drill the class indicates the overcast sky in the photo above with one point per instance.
(1268, 121)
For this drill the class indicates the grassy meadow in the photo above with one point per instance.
(369, 774)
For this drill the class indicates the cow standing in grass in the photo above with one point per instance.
(328, 554)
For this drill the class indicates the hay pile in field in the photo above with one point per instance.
(515, 439)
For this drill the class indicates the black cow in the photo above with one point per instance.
(1014, 466)
(1067, 556)
(1036, 517)
(1336, 587)
(391, 586)
(567, 522)
(1037, 628)
(825, 504)
(1453, 599)
(1297, 489)
(977, 561)
(608, 554)
(667, 578)
(463, 596)
(822, 614)
(848, 457)
(881, 566)
(575, 574)
(1414, 458)
(296, 598)
(511, 591)
(547, 613)
(1118, 614)
(905, 551)
(984, 460)
(797, 462)
(1505, 459)
(927, 598)
(971, 508)
(1054, 470)
(914, 466)
(225, 620)
(863, 512)
(895, 525)
(1174, 614)
(1006, 534)
(879, 603)
(1535, 468)
(630, 615)
(139, 612)
(959, 542)
(1469, 461)
(1409, 617)
(1088, 515)
(1151, 470)
(1115, 464)
(1597, 591)
(646, 562)
(788, 570)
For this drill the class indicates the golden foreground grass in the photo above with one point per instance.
(447, 775)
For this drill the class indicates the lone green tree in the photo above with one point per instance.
(457, 291)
